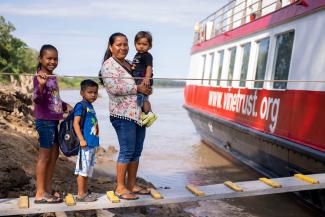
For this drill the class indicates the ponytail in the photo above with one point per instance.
(108, 52)
(107, 55)
(39, 66)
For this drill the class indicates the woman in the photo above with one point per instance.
(125, 115)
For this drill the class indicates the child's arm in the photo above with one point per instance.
(146, 80)
(77, 129)
(39, 83)
(148, 59)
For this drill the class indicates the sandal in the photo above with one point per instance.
(87, 197)
(142, 191)
(122, 196)
(58, 194)
(48, 200)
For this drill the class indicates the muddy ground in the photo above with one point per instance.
(18, 155)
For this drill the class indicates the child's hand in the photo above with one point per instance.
(83, 143)
(69, 108)
(42, 78)
(146, 82)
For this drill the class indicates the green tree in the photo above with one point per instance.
(15, 56)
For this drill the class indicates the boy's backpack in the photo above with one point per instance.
(68, 139)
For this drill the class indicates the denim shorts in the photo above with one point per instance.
(48, 132)
(88, 156)
(130, 137)
(141, 98)
(138, 75)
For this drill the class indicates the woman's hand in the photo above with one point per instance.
(142, 88)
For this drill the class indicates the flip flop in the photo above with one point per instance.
(140, 191)
(122, 196)
(48, 200)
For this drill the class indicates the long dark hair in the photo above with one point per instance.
(108, 52)
(42, 51)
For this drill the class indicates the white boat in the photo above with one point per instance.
(258, 85)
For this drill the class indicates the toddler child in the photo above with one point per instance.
(142, 68)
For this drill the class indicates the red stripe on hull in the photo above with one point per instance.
(296, 115)
(278, 17)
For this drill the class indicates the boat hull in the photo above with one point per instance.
(270, 155)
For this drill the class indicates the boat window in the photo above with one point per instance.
(263, 48)
(203, 66)
(211, 66)
(244, 65)
(221, 54)
(232, 52)
(283, 51)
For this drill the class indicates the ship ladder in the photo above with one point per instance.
(228, 189)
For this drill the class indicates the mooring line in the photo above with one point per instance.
(166, 78)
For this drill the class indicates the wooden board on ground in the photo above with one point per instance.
(219, 191)
(23, 202)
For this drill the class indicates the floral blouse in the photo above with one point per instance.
(122, 91)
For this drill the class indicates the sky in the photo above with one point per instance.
(80, 29)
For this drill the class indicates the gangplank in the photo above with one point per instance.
(189, 193)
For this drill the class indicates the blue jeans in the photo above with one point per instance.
(48, 132)
(130, 137)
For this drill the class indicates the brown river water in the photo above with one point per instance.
(174, 156)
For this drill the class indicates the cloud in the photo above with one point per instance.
(181, 13)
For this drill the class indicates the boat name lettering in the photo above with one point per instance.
(247, 104)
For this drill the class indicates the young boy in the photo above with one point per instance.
(142, 67)
(88, 137)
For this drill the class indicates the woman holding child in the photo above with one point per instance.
(125, 115)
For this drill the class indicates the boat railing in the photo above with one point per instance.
(235, 14)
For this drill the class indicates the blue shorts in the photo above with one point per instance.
(141, 98)
(48, 132)
(141, 75)
(130, 137)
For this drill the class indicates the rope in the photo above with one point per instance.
(170, 79)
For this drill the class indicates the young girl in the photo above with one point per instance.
(48, 111)
(142, 67)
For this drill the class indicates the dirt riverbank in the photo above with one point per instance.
(18, 155)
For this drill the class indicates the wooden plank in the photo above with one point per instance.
(306, 179)
(69, 200)
(60, 214)
(155, 194)
(104, 213)
(23, 202)
(233, 186)
(195, 190)
(270, 182)
(218, 191)
(112, 197)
